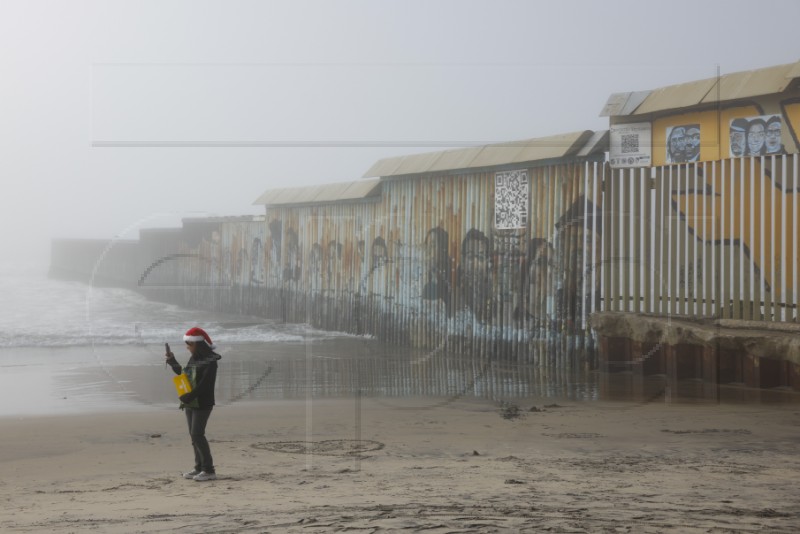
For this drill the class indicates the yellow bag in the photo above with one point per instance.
(182, 385)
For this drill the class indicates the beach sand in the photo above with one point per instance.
(383, 465)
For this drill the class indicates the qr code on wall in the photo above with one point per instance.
(511, 200)
(630, 143)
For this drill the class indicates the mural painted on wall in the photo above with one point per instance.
(762, 215)
(538, 300)
(275, 238)
(474, 283)
(580, 233)
(474, 276)
(242, 267)
(683, 143)
(379, 256)
(756, 136)
(257, 277)
(315, 268)
(791, 112)
(738, 137)
(437, 266)
(760, 128)
(374, 283)
(333, 258)
(448, 284)
(293, 266)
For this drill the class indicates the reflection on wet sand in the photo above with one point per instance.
(345, 367)
(350, 367)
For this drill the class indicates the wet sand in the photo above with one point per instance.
(417, 464)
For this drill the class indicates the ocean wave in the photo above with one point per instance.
(51, 313)
(221, 333)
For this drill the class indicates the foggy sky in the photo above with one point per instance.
(322, 89)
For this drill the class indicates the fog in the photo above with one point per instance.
(118, 116)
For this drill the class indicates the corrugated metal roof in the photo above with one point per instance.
(384, 167)
(754, 83)
(597, 143)
(417, 163)
(623, 103)
(529, 150)
(453, 159)
(556, 146)
(734, 86)
(676, 96)
(362, 189)
(316, 194)
(794, 71)
(330, 193)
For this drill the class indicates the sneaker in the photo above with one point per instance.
(191, 474)
(203, 476)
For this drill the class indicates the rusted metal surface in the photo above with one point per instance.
(434, 263)
(426, 266)
(555, 147)
(493, 263)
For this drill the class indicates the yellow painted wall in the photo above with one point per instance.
(744, 180)
(791, 113)
(712, 123)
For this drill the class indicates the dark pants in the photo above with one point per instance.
(197, 419)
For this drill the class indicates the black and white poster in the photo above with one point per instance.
(683, 143)
(756, 136)
(630, 145)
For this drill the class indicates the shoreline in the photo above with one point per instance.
(409, 465)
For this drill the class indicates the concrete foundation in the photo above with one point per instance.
(649, 358)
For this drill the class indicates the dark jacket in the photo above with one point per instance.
(202, 373)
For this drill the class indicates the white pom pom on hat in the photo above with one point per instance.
(196, 334)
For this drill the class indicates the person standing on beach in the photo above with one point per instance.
(197, 404)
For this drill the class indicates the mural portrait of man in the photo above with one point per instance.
(773, 142)
(256, 262)
(276, 236)
(292, 267)
(738, 135)
(683, 143)
(333, 257)
(315, 267)
(437, 266)
(474, 272)
(538, 302)
(380, 253)
(578, 250)
(692, 151)
(241, 266)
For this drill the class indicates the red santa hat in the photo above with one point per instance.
(196, 334)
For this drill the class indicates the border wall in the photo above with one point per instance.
(540, 251)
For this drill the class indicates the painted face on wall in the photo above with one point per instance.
(476, 259)
(773, 137)
(435, 250)
(315, 259)
(538, 269)
(692, 143)
(738, 143)
(380, 253)
(436, 265)
(677, 144)
(755, 138)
